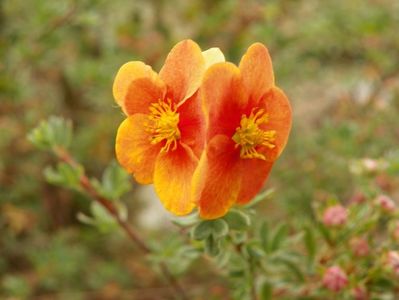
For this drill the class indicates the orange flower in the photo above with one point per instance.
(248, 123)
(163, 136)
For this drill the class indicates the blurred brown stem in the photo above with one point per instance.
(133, 235)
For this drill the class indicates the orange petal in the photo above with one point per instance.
(172, 179)
(276, 104)
(216, 181)
(253, 174)
(141, 93)
(257, 71)
(183, 70)
(223, 99)
(134, 150)
(192, 124)
(149, 81)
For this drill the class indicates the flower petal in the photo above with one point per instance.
(223, 99)
(134, 150)
(192, 124)
(212, 56)
(257, 71)
(253, 174)
(277, 106)
(149, 81)
(141, 93)
(216, 181)
(172, 179)
(183, 70)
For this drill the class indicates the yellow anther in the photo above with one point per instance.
(162, 124)
(249, 136)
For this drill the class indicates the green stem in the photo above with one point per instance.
(252, 273)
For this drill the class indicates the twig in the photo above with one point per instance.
(133, 235)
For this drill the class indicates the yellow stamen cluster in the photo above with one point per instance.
(248, 136)
(162, 124)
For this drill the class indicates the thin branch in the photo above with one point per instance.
(133, 235)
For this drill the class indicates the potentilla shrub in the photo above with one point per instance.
(207, 133)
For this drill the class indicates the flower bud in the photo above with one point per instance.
(335, 216)
(357, 198)
(335, 279)
(359, 246)
(386, 203)
(360, 293)
(393, 261)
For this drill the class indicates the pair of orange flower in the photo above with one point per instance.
(203, 130)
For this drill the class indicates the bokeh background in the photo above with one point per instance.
(337, 60)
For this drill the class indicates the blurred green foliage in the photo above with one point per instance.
(338, 62)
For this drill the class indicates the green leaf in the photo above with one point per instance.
(201, 231)
(266, 291)
(382, 282)
(254, 251)
(186, 221)
(310, 243)
(64, 175)
(223, 259)
(237, 274)
(56, 132)
(264, 236)
(215, 228)
(324, 232)
(220, 228)
(292, 267)
(115, 182)
(238, 237)
(295, 269)
(85, 219)
(237, 220)
(100, 218)
(183, 258)
(103, 220)
(260, 197)
(279, 236)
(100, 213)
(212, 246)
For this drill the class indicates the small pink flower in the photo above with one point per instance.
(357, 198)
(360, 293)
(393, 261)
(335, 279)
(359, 246)
(386, 203)
(335, 215)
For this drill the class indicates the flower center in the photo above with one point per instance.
(163, 124)
(248, 136)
